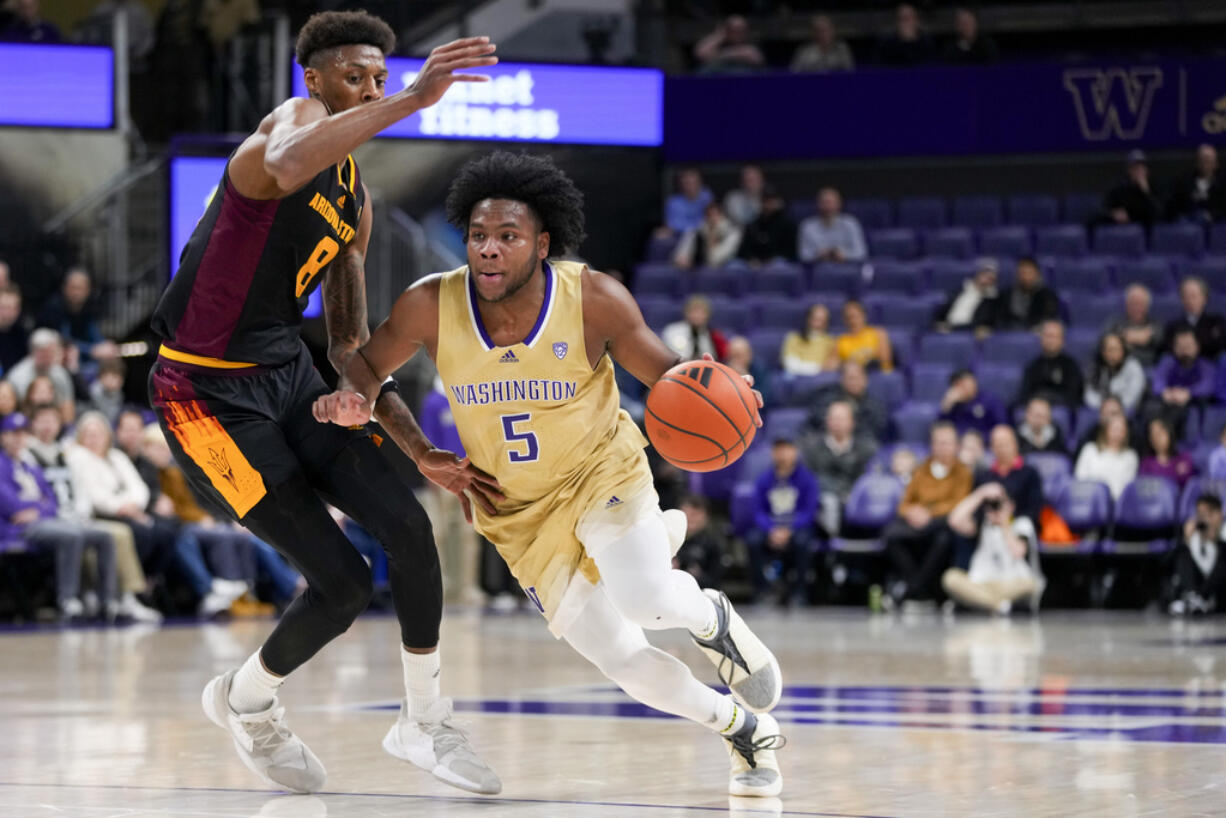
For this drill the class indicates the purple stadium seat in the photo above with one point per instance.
(658, 278)
(898, 310)
(1010, 240)
(1083, 423)
(777, 312)
(1034, 210)
(898, 276)
(777, 280)
(1086, 507)
(741, 506)
(800, 390)
(845, 277)
(713, 281)
(1211, 268)
(913, 421)
(921, 212)
(946, 276)
(766, 344)
(888, 387)
(1213, 416)
(893, 242)
(1091, 311)
(870, 507)
(1145, 514)
(949, 242)
(873, 214)
(1217, 239)
(978, 211)
(784, 422)
(1177, 240)
(731, 316)
(659, 312)
(1081, 207)
(1061, 240)
(929, 380)
(1000, 380)
(801, 209)
(1081, 343)
(1054, 469)
(958, 349)
(1165, 307)
(902, 342)
(1154, 273)
(756, 460)
(660, 248)
(1090, 275)
(1124, 240)
(1016, 348)
(716, 485)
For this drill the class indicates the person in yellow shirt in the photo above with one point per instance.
(525, 344)
(867, 345)
(811, 350)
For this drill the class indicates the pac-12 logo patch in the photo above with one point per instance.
(559, 349)
(536, 600)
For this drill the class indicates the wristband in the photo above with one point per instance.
(389, 385)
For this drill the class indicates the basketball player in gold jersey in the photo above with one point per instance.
(524, 345)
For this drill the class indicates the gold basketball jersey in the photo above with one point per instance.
(543, 422)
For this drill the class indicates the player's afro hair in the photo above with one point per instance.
(534, 180)
(332, 29)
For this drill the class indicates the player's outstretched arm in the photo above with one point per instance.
(299, 138)
(345, 295)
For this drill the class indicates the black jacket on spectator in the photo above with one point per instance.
(982, 51)
(1184, 203)
(1024, 487)
(1027, 444)
(1141, 205)
(702, 555)
(904, 53)
(1057, 378)
(80, 327)
(836, 472)
(1044, 304)
(14, 345)
(1210, 332)
(872, 418)
(770, 236)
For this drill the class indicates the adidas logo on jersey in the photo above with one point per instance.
(509, 358)
(613, 501)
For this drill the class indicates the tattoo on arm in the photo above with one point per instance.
(345, 308)
(394, 414)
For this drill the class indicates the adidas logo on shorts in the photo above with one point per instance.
(613, 501)
(509, 358)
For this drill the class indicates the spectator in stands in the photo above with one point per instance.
(42, 390)
(28, 25)
(1037, 433)
(1021, 481)
(1110, 409)
(1141, 333)
(1054, 374)
(6, 272)
(106, 393)
(1182, 379)
(966, 407)
(999, 572)
(72, 313)
(1210, 328)
(743, 204)
(1115, 372)
(970, 46)
(811, 350)
(702, 552)
(1200, 560)
(781, 540)
(10, 401)
(772, 235)
(693, 336)
(825, 51)
(729, 49)
(1029, 302)
(1217, 458)
(971, 451)
(903, 463)
(862, 343)
(1110, 458)
(871, 417)
(712, 244)
(14, 336)
(838, 458)
(975, 305)
(28, 513)
(684, 209)
(740, 357)
(918, 542)
(831, 235)
(1164, 458)
(46, 358)
(49, 451)
(1200, 196)
(1132, 201)
(908, 45)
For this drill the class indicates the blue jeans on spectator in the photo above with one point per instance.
(369, 548)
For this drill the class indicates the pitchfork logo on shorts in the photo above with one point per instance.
(559, 349)
(219, 461)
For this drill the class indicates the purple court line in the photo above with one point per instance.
(456, 799)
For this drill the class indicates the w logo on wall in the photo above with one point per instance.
(1113, 102)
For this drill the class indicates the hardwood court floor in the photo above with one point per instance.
(1068, 715)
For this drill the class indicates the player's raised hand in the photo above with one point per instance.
(757, 396)
(460, 477)
(437, 75)
(342, 407)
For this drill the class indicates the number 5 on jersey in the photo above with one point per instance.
(323, 253)
(512, 436)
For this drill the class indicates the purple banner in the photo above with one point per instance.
(57, 86)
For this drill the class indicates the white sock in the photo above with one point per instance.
(729, 717)
(254, 688)
(421, 682)
(708, 631)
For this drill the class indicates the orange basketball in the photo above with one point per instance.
(700, 416)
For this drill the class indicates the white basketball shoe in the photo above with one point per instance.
(436, 745)
(263, 741)
(755, 772)
(741, 659)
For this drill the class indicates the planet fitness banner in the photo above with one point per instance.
(947, 111)
(57, 86)
(530, 102)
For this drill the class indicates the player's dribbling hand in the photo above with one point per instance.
(342, 407)
(757, 396)
(436, 75)
(460, 477)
